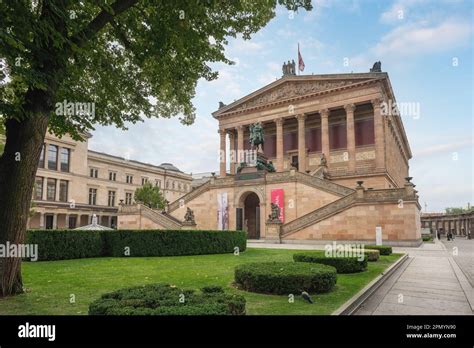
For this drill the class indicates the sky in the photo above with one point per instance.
(425, 46)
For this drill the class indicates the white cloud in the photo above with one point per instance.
(416, 40)
(443, 148)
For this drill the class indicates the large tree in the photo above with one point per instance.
(131, 58)
(150, 196)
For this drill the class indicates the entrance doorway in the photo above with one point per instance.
(252, 215)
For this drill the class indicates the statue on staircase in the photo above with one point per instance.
(189, 216)
(275, 214)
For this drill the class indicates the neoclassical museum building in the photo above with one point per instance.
(341, 160)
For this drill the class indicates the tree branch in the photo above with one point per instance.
(100, 21)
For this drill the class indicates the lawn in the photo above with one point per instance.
(51, 284)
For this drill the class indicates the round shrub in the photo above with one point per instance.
(384, 249)
(372, 254)
(163, 299)
(285, 277)
(351, 264)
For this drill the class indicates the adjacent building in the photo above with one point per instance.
(73, 183)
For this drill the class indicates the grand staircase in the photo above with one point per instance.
(156, 216)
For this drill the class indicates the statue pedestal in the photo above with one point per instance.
(272, 231)
(188, 225)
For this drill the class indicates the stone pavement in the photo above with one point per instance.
(429, 282)
(462, 250)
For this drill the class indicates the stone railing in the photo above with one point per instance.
(322, 184)
(317, 215)
(189, 196)
(358, 196)
(158, 217)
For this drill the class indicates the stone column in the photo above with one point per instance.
(325, 134)
(301, 143)
(41, 222)
(110, 220)
(56, 194)
(350, 136)
(55, 221)
(233, 157)
(66, 224)
(58, 159)
(379, 135)
(44, 192)
(240, 144)
(279, 144)
(222, 153)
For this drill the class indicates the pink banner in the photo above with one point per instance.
(277, 198)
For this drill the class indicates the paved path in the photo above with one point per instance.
(462, 250)
(429, 282)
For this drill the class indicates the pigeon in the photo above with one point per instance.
(306, 297)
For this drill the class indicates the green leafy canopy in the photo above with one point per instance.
(150, 196)
(132, 58)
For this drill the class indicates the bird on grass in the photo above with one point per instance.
(306, 297)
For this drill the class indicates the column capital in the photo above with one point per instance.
(279, 121)
(240, 128)
(324, 112)
(376, 102)
(222, 131)
(300, 117)
(349, 107)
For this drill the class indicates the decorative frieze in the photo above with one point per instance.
(365, 155)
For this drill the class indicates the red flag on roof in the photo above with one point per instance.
(300, 60)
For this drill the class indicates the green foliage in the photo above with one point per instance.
(427, 237)
(212, 289)
(342, 264)
(163, 299)
(459, 210)
(285, 277)
(131, 58)
(372, 255)
(150, 195)
(384, 249)
(67, 244)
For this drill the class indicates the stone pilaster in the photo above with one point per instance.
(379, 135)
(350, 136)
(41, 223)
(240, 144)
(233, 157)
(325, 134)
(222, 153)
(301, 143)
(279, 144)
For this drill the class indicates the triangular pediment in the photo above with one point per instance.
(290, 87)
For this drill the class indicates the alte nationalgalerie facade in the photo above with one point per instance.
(341, 165)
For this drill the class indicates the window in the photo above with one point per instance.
(290, 141)
(337, 136)
(313, 139)
(128, 198)
(158, 183)
(53, 157)
(65, 153)
(129, 179)
(111, 201)
(41, 160)
(364, 132)
(51, 190)
(179, 186)
(112, 176)
(94, 173)
(270, 145)
(63, 187)
(92, 196)
(39, 188)
(167, 184)
(144, 180)
(172, 185)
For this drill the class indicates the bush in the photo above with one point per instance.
(427, 237)
(285, 277)
(212, 289)
(372, 255)
(162, 299)
(72, 244)
(384, 249)
(342, 264)
(173, 243)
(64, 244)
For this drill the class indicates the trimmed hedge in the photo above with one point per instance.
(384, 249)
(285, 277)
(372, 254)
(163, 299)
(427, 238)
(342, 264)
(71, 244)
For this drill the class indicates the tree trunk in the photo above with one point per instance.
(18, 166)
